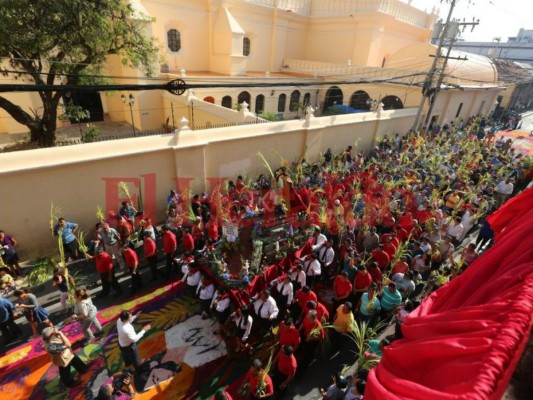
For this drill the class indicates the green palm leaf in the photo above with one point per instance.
(171, 314)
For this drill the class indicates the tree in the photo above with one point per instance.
(66, 42)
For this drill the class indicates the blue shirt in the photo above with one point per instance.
(67, 234)
(363, 309)
(373, 346)
(390, 300)
(6, 309)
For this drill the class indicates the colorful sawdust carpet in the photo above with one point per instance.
(178, 341)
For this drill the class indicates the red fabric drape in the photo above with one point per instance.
(465, 339)
(512, 210)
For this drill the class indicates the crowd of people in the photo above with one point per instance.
(386, 228)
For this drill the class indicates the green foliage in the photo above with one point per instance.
(41, 273)
(66, 41)
(91, 134)
(269, 116)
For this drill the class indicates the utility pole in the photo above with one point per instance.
(442, 74)
(429, 79)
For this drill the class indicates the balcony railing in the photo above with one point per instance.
(334, 8)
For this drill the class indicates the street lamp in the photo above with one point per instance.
(131, 102)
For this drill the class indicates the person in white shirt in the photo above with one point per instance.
(455, 230)
(266, 309)
(127, 339)
(221, 305)
(243, 323)
(192, 278)
(284, 293)
(318, 239)
(298, 277)
(205, 292)
(326, 255)
(312, 268)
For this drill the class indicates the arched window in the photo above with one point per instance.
(246, 47)
(360, 100)
(259, 104)
(174, 40)
(244, 97)
(295, 101)
(209, 99)
(307, 99)
(333, 96)
(391, 103)
(281, 102)
(226, 101)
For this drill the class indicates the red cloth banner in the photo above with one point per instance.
(465, 339)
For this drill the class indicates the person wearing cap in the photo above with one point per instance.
(104, 266)
(266, 309)
(128, 338)
(59, 347)
(319, 239)
(170, 244)
(336, 391)
(287, 366)
(132, 263)
(312, 268)
(261, 386)
(150, 255)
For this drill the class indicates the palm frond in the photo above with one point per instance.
(267, 165)
(54, 212)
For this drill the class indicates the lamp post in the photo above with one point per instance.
(131, 101)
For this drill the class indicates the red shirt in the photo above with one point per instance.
(287, 364)
(289, 336)
(302, 298)
(400, 266)
(104, 263)
(381, 258)
(188, 242)
(321, 311)
(362, 281)
(169, 242)
(343, 286)
(150, 247)
(212, 232)
(375, 273)
(311, 326)
(402, 234)
(269, 387)
(390, 249)
(394, 240)
(130, 258)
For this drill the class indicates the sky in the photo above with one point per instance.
(498, 18)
